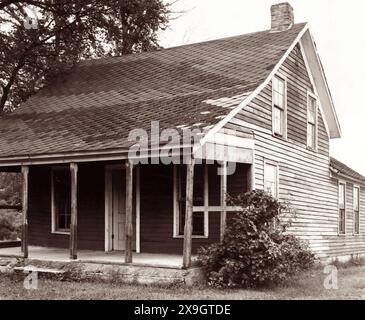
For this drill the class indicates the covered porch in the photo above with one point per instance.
(120, 211)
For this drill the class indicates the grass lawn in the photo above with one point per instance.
(351, 285)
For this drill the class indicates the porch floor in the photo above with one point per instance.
(115, 257)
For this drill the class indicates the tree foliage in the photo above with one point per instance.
(33, 51)
(10, 189)
(256, 249)
(10, 224)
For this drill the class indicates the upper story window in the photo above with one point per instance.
(279, 106)
(61, 200)
(342, 208)
(312, 122)
(271, 184)
(356, 210)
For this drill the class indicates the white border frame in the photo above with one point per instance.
(313, 96)
(176, 213)
(108, 241)
(343, 182)
(281, 77)
(53, 211)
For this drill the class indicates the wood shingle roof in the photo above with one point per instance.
(101, 101)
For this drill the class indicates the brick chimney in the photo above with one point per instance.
(282, 17)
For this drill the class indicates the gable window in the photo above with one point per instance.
(279, 106)
(61, 200)
(342, 208)
(271, 185)
(312, 123)
(356, 210)
(200, 192)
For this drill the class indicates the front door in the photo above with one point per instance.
(118, 209)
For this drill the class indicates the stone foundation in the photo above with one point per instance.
(130, 274)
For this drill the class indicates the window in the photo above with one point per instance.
(356, 210)
(312, 123)
(271, 179)
(61, 200)
(279, 106)
(342, 208)
(200, 219)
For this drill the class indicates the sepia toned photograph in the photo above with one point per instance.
(202, 151)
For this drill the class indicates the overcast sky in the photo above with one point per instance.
(339, 30)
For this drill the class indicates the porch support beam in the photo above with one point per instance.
(73, 226)
(25, 174)
(128, 212)
(223, 199)
(188, 228)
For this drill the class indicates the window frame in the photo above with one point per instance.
(284, 135)
(268, 162)
(356, 187)
(176, 213)
(53, 215)
(310, 96)
(341, 182)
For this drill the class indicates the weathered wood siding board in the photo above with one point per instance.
(304, 175)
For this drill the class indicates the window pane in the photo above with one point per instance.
(342, 221)
(341, 196)
(271, 179)
(279, 92)
(312, 116)
(198, 186)
(198, 190)
(281, 87)
(281, 101)
(275, 84)
(62, 198)
(356, 199)
(357, 223)
(311, 136)
(198, 224)
(276, 98)
(61, 221)
(278, 121)
(181, 222)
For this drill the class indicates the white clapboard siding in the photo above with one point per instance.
(304, 176)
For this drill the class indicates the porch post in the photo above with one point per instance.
(223, 200)
(25, 174)
(188, 228)
(73, 226)
(251, 175)
(128, 213)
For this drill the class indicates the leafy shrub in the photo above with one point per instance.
(10, 225)
(256, 250)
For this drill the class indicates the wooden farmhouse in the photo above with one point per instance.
(260, 103)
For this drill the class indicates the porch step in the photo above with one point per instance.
(28, 269)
